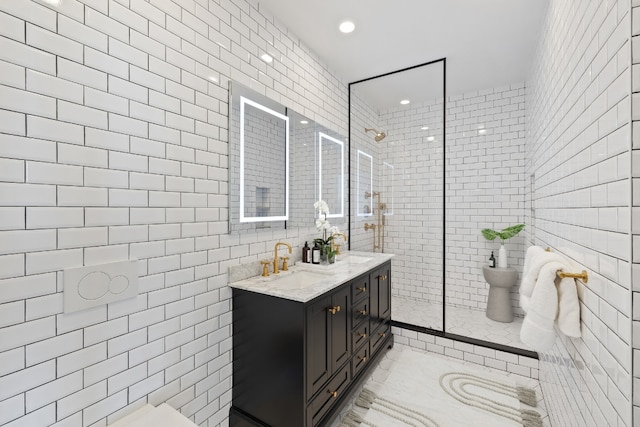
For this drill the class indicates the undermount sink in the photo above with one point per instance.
(296, 280)
(357, 259)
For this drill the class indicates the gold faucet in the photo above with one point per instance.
(337, 247)
(368, 227)
(276, 266)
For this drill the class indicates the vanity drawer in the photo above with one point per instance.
(360, 335)
(323, 402)
(379, 336)
(360, 288)
(360, 312)
(359, 360)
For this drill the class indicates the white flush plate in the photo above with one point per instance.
(95, 285)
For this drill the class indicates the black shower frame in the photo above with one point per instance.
(439, 333)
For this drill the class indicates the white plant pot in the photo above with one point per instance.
(502, 257)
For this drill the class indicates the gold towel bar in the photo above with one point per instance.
(584, 276)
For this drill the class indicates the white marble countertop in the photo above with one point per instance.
(304, 282)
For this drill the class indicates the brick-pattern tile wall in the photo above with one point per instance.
(578, 184)
(114, 145)
(635, 212)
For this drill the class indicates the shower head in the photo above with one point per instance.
(379, 135)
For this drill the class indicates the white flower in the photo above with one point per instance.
(322, 224)
(322, 207)
(333, 230)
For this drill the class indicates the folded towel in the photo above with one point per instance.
(568, 308)
(537, 328)
(534, 260)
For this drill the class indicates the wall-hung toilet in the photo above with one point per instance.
(500, 281)
(148, 416)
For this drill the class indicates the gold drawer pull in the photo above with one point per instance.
(363, 312)
(362, 334)
(362, 289)
(383, 334)
(382, 277)
(333, 393)
(363, 358)
(334, 310)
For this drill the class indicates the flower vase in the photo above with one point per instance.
(502, 257)
(331, 258)
(323, 254)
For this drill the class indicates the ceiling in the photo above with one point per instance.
(487, 43)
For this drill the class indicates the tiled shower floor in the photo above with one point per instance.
(460, 321)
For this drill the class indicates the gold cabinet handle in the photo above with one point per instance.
(363, 312)
(384, 277)
(383, 334)
(362, 334)
(363, 358)
(334, 310)
(333, 393)
(362, 289)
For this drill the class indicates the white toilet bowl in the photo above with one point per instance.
(161, 416)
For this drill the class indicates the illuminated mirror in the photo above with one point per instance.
(264, 163)
(331, 174)
(364, 184)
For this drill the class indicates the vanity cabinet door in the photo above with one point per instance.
(318, 343)
(340, 328)
(328, 337)
(380, 303)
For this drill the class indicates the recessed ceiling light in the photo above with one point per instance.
(52, 2)
(347, 27)
(266, 58)
(405, 102)
(304, 122)
(425, 128)
(431, 138)
(482, 131)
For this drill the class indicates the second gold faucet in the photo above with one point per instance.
(276, 264)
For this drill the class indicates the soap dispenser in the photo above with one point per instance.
(315, 254)
(492, 261)
(305, 253)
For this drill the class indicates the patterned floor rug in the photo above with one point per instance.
(409, 389)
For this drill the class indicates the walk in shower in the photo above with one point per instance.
(424, 194)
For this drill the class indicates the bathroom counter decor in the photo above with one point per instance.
(304, 342)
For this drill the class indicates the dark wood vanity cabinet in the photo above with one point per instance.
(295, 363)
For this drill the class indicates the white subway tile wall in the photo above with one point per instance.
(635, 211)
(577, 171)
(114, 145)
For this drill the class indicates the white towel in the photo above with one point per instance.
(537, 328)
(534, 260)
(568, 318)
(553, 299)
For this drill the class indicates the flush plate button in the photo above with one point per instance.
(95, 285)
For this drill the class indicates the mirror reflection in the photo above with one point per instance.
(264, 168)
(331, 178)
(281, 163)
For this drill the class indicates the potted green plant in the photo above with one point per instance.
(505, 234)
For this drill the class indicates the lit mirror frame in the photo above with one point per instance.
(359, 194)
(323, 136)
(243, 219)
